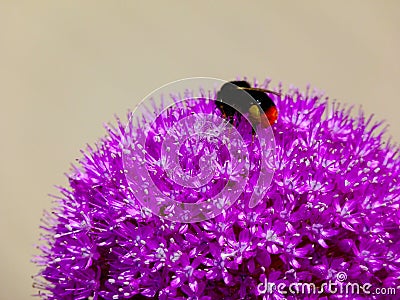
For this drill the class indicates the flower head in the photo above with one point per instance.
(332, 206)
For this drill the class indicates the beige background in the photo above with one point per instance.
(67, 66)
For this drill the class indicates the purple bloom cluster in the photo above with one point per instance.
(332, 206)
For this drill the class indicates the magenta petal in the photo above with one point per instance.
(346, 245)
(227, 278)
(191, 238)
(193, 286)
(251, 266)
(322, 243)
(264, 259)
(244, 236)
(176, 282)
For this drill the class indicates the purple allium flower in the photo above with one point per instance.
(332, 207)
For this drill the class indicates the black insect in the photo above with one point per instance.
(238, 97)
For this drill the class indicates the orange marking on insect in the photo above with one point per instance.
(269, 117)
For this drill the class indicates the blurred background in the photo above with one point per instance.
(67, 66)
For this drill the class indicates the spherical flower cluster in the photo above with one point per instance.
(332, 207)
